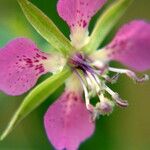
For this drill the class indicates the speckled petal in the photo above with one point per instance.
(21, 64)
(67, 122)
(78, 12)
(131, 45)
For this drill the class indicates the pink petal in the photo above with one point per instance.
(131, 45)
(21, 64)
(67, 122)
(78, 12)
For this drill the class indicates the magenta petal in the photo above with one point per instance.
(131, 46)
(78, 12)
(21, 64)
(67, 122)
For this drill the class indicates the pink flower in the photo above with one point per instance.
(70, 120)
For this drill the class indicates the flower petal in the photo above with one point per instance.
(131, 46)
(21, 64)
(67, 122)
(77, 14)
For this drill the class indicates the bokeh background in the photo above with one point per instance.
(125, 129)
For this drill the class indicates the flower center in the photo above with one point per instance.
(80, 62)
(93, 76)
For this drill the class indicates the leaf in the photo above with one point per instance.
(105, 24)
(37, 96)
(45, 27)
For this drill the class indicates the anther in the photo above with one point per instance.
(138, 79)
(130, 74)
(117, 99)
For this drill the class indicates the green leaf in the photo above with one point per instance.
(105, 24)
(45, 27)
(37, 96)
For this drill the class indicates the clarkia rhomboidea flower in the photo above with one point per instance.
(70, 120)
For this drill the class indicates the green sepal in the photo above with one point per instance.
(45, 27)
(105, 24)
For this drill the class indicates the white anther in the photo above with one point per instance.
(111, 92)
(116, 97)
(87, 99)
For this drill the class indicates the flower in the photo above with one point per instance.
(70, 120)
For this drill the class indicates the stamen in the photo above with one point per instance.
(91, 87)
(113, 79)
(130, 74)
(115, 96)
(97, 79)
(95, 114)
(89, 73)
(105, 106)
(86, 95)
(137, 79)
(93, 80)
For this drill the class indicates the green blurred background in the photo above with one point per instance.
(127, 129)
